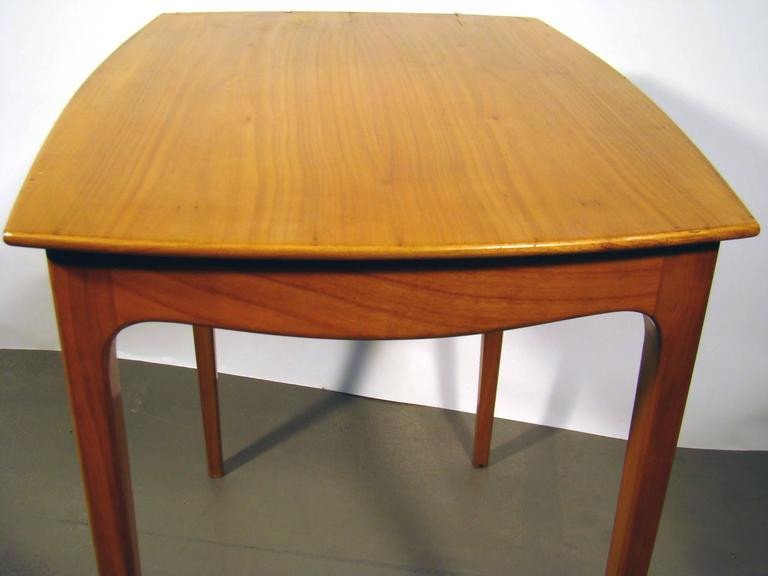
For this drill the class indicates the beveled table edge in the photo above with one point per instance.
(375, 252)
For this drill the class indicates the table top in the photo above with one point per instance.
(354, 135)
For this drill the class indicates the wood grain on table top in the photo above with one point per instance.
(353, 135)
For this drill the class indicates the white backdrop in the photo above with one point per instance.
(704, 62)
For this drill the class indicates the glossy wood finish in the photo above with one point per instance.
(490, 359)
(332, 136)
(669, 352)
(205, 354)
(87, 320)
(369, 300)
(224, 140)
(96, 296)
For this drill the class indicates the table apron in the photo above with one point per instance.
(96, 296)
(373, 300)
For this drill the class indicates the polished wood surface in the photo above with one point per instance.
(381, 301)
(490, 359)
(205, 354)
(218, 170)
(672, 337)
(98, 295)
(86, 318)
(352, 135)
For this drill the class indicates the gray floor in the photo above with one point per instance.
(325, 483)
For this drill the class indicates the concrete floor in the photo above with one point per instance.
(327, 483)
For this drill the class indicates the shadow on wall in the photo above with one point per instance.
(408, 518)
(732, 350)
(583, 389)
(560, 402)
(353, 371)
(739, 156)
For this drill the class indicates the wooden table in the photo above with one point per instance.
(370, 176)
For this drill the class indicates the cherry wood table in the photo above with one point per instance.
(349, 175)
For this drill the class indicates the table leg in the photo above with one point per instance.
(87, 326)
(205, 353)
(669, 352)
(486, 397)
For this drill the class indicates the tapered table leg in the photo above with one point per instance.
(669, 352)
(87, 325)
(205, 353)
(486, 397)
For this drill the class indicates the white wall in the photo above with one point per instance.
(704, 62)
